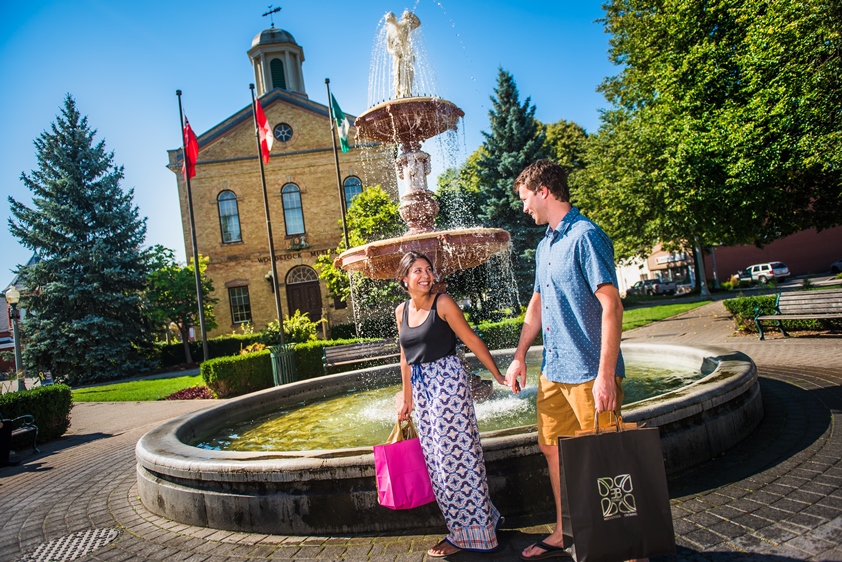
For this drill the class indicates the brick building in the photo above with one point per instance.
(302, 187)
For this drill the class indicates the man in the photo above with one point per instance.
(576, 306)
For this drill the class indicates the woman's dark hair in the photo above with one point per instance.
(404, 266)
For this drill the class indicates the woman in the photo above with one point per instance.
(436, 384)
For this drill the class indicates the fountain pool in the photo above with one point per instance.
(364, 416)
(332, 490)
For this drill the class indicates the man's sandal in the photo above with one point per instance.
(550, 551)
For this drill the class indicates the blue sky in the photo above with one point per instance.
(122, 62)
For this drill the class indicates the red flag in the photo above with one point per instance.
(264, 131)
(191, 150)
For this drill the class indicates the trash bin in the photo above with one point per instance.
(283, 363)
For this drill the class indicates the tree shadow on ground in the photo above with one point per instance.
(793, 420)
(30, 461)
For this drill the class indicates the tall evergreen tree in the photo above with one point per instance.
(85, 318)
(516, 139)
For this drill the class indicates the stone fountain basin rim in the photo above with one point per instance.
(162, 451)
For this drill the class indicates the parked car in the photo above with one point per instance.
(765, 272)
(744, 276)
(652, 287)
(836, 267)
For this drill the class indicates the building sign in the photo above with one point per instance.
(672, 258)
(287, 257)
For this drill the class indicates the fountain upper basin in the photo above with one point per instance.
(407, 121)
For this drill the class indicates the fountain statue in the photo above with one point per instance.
(407, 121)
(399, 45)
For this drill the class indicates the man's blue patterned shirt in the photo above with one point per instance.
(571, 262)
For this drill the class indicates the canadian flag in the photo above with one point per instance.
(264, 131)
(191, 151)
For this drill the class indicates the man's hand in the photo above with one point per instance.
(605, 393)
(516, 370)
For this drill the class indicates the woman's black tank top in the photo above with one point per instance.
(430, 341)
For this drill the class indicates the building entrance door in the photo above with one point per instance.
(303, 292)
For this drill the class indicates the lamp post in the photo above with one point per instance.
(13, 297)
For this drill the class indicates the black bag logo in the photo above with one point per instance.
(616, 496)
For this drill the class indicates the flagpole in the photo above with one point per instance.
(196, 267)
(276, 289)
(342, 208)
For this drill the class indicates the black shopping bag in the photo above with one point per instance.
(615, 503)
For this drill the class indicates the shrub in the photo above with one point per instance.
(49, 405)
(343, 331)
(172, 354)
(298, 328)
(238, 374)
(241, 374)
(504, 334)
(743, 311)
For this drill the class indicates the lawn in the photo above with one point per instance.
(637, 317)
(142, 390)
(156, 389)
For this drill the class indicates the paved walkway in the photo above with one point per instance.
(777, 496)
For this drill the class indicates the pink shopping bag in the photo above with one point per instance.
(402, 478)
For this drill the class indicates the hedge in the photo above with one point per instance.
(241, 374)
(49, 405)
(742, 309)
(238, 374)
(172, 354)
(504, 334)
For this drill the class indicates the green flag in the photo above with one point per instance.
(341, 124)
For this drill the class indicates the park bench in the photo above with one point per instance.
(801, 305)
(24, 425)
(338, 355)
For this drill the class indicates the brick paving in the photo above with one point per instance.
(776, 496)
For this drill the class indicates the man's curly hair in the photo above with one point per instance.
(548, 173)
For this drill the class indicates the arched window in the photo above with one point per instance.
(301, 274)
(277, 69)
(229, 217)
(353, 187)
(293, 213)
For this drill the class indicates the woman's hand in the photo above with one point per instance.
(404, 406)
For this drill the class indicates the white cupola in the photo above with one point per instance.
(277, 60)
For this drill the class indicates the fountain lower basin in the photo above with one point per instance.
(333, 491)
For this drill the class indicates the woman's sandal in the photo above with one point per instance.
(441, 546)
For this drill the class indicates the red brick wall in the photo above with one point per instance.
(805, 252)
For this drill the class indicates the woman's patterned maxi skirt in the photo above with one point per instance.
(447, 427)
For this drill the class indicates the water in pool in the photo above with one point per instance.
(365, 417)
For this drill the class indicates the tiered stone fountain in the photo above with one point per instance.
(407, 121)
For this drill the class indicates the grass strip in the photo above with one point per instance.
(637, 317)
(136, 391)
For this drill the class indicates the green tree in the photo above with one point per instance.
(371, 216)
(565, 144)
(516, 139)
(459, 195)
(720, 129)
(85, 318)
(171, 295)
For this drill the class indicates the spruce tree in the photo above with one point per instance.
(516, 140)
(85, 320)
